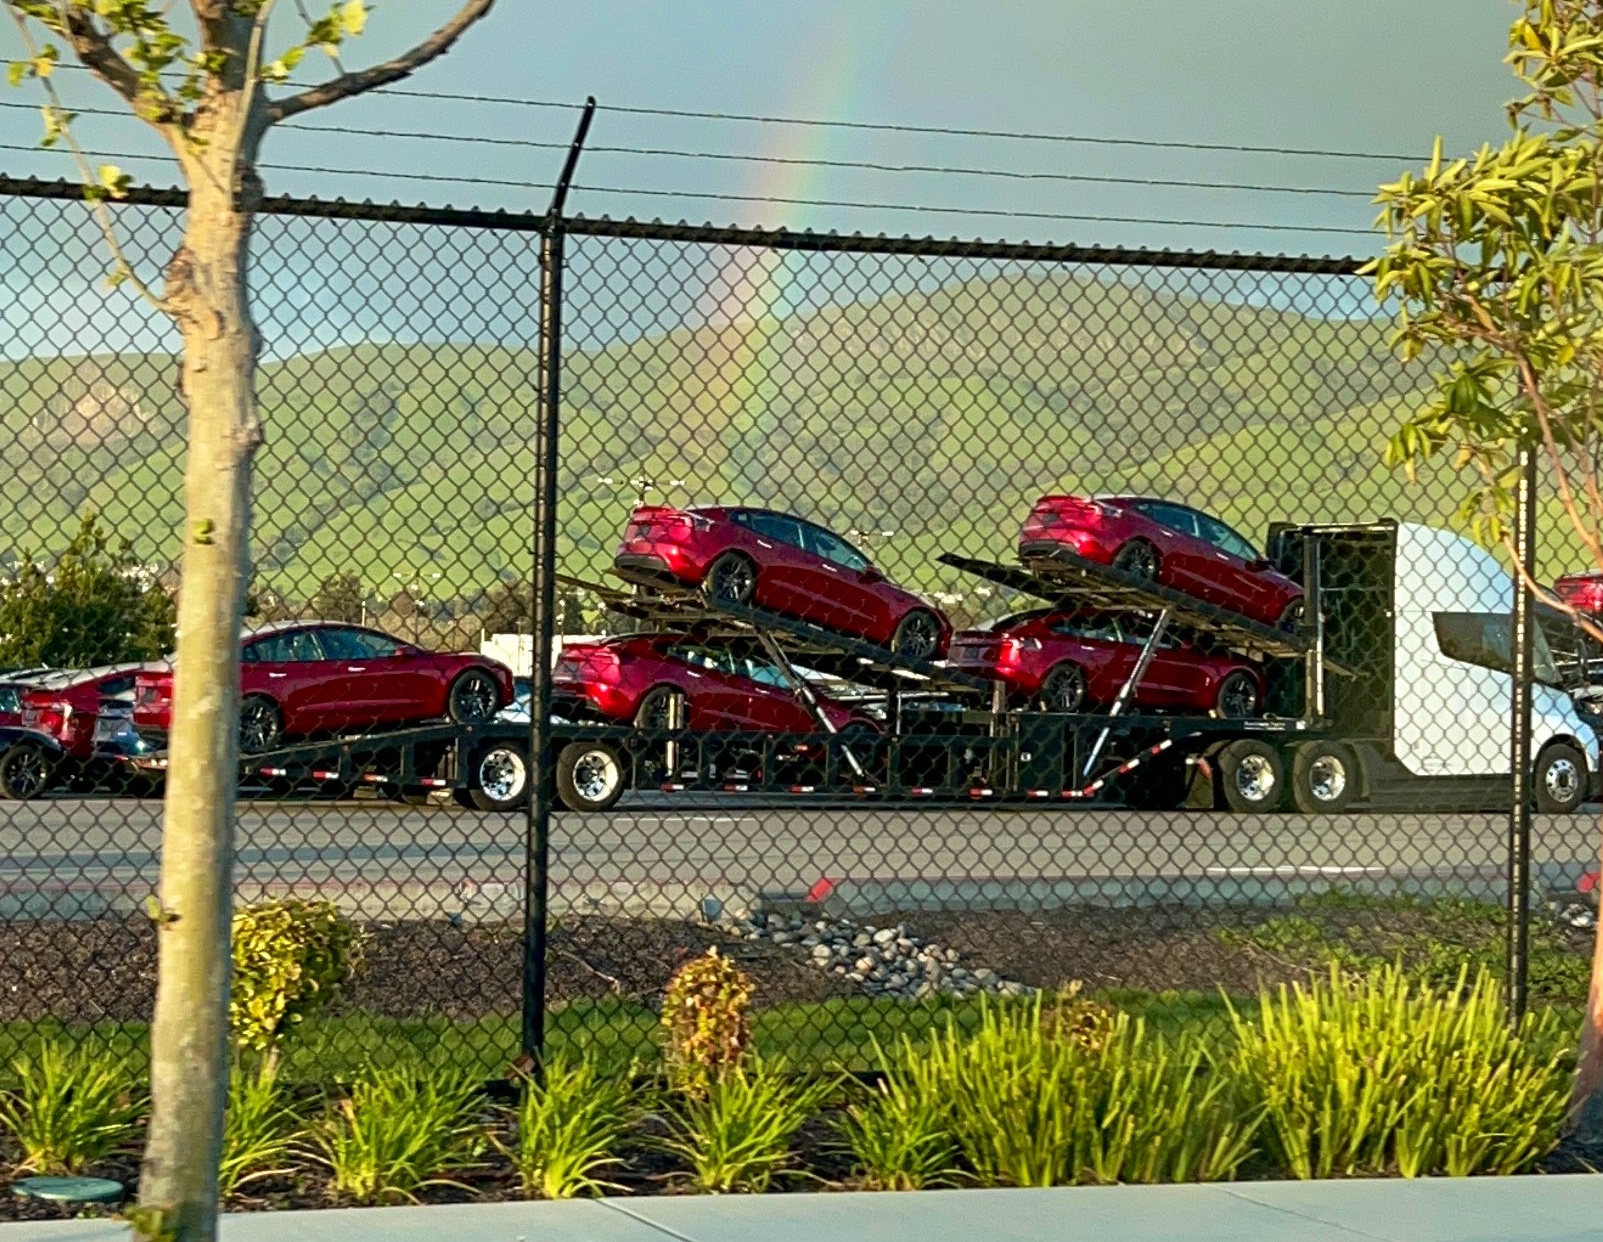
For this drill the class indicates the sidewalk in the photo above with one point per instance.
(1525, 1209)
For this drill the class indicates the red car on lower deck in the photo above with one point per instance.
(1167, 543)
(307, 678)
(69, 705)
(633, 678)
(782, 563)
(1074, 661)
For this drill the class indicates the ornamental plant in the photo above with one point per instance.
(291, 957)
(706, 1021)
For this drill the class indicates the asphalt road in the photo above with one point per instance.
(655, 854)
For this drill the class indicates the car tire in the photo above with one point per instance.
(1062, 689)
(261, 725)
(26, 772)
(474, 698)
(731, 579)
(1324, 778)
(1560, 779)
(499, 778)
(1139, 559)
(1238, 697)
(652, 711)
(918, 636)
(1251, 774)
(590, 776)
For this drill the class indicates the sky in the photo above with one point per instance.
(1381, 77)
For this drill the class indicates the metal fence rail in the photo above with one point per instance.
(879, 838)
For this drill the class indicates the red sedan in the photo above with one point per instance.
(67, 704)
(1583, 592)
(1160, 541)
(763, 559)
(634, 678)
(303, 678)
(1071, 661)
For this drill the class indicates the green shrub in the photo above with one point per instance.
(261, 1130)
(1383, 1075)
(290, 957)
(901, 1137)
(706, 1021)
(569, 1125)
(1031, 1108)
(736, 1134)
(401, 1130)
(70, 1108)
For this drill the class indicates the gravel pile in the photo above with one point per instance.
(883, 961)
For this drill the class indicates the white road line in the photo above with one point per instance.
(1295, 869)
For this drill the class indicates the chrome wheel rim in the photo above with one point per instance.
(595, 775)
(475, 698)
(1255, 778)
(1327, 778)
(1562, 779)
(502, 774)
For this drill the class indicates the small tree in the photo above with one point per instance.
(95, 604)
(208, 81)
(341, 597)
(1496, 268)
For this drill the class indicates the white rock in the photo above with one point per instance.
(783, 937)
(885, 936)
(821, 953)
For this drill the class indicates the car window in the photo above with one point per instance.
(344, 644)
(777, 527)
(1221, 536)
(117, 685)
(761, 670)
(293, 647)
(1173, 516)
(833, 548)
(10, 700)
(701, 657)
(1103, 628)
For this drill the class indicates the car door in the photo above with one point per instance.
(713, 699)
(1243, 588)
(377, 680)
(773, 704)
(1183, 553)
(288, 667)
(787, 574)
(845, 590)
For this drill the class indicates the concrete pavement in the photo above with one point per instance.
(1525, 1209)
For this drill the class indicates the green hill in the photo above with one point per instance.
(938, 415)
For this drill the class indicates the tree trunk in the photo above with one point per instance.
(189, 1044)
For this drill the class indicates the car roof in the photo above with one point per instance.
(66, 678)
(281, 627)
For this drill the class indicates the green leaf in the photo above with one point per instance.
(113, 180)
(352, 17)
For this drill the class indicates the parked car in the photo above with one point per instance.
(1582, 591)
(307, 678)
(764, 559)
(1072, 661)
(633, 679)
(1167, 543)
(13, 684)
(78, 707)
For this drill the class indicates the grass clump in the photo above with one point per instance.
(262, 1129)
(901, 1137)
(1030, 1107)
(1386, 1075)
(736, 1134)
(569, 1125)
(70, 1109)
(401, 1130)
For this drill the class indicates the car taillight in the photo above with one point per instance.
(1012, 647)
(145, 695)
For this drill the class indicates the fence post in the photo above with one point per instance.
(1519, 815)
(537, 839)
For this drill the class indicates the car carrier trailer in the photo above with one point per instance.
(1390, 691)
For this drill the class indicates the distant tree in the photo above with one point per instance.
(341, 597)
(508, 608)
(94, 604)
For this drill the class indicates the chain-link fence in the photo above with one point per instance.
(933, 620)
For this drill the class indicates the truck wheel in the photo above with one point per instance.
(1324, 778)
(590, 776)
(1251, 775)
(25, 772)
(1560, 779)
(500, 778)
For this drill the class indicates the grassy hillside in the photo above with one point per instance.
(939, 415)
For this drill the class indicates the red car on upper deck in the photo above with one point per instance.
(1167, 543)
(763, 559)
(1061, 661)
(631, 679)
(306, 678)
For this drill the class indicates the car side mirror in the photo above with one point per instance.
(872, 575)
(1259, 564)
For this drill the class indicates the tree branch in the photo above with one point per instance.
(94, 49)
(349, 84)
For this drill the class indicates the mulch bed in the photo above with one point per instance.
(105, 969)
